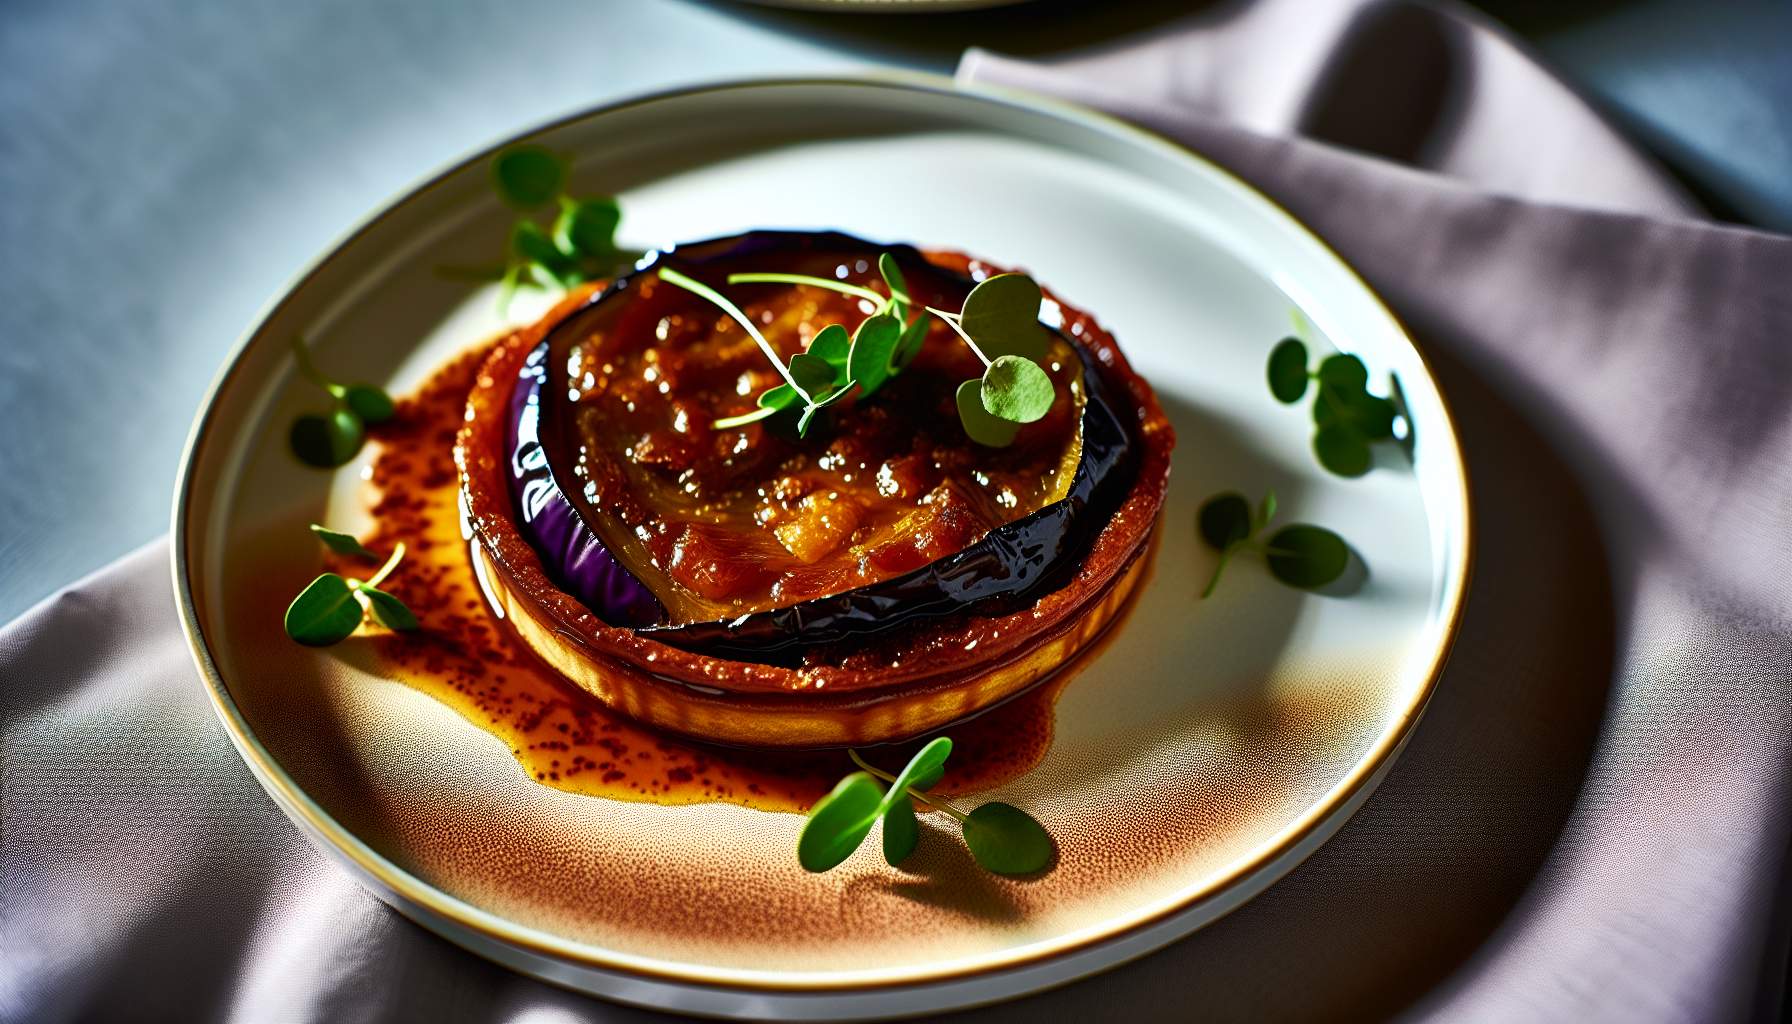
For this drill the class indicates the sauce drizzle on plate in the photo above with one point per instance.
(465, 658)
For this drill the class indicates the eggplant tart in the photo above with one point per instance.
(873, 577)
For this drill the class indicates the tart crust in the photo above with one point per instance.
(898, 685)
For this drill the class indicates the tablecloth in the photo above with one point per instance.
(1592, 821)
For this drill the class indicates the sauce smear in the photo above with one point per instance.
(563, 737)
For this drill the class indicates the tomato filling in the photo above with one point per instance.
(721, 523)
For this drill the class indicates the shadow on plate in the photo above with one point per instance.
(942, 876)
(1426, 871)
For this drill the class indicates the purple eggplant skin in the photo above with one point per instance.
(1009, 568)
(575, 559)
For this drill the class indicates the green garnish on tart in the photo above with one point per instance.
(999, 323)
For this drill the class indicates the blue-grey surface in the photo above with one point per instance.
(165, 169)
(1708, 86)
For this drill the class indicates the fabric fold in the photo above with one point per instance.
(1433, 86)
(1590, 824)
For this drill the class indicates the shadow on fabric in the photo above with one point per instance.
(1421, 876)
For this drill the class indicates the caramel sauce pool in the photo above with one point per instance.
(463, 657)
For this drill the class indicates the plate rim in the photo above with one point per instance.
(318, 824)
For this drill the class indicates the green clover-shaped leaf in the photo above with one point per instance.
(980, 424)
(541, 257)
(909, 345)
(1007, 840)
(832, 344)
(1001, 314)
(389, 610)
(873, 347)
(892, 275)
(781, 397)
(324, 613)
(1342, 449)
(528, 176)
(1373, 417)
(901, 831)
(839, 822)
(328, 440)
(586, 228)
(1015, 389)
(343, 543)
(812, 374)
(372, 404)
(1343, 371)
(1307, 556)
(1288, 371)
(925, 768)
(922, 772)
(1225, 520)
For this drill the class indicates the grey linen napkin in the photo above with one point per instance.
(1592, 820)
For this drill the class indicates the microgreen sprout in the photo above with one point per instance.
(1002, 838)
(1299, 555)
(818, 377)
(343, 543)
(578, 245)
(1346, 417)
(999, 324)
(332, 607)
(330, 439)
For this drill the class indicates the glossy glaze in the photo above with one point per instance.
(851, 690)
(561, 736)
(723, 522)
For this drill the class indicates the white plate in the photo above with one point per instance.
(1210, 748)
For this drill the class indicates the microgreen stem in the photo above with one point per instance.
(818, 282)
(933, 802)
(386, 570)
(301, 354)
(673, 277)
(729, 423)
(1214, 580)
(952, 322)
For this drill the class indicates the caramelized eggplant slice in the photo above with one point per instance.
(591, 489)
